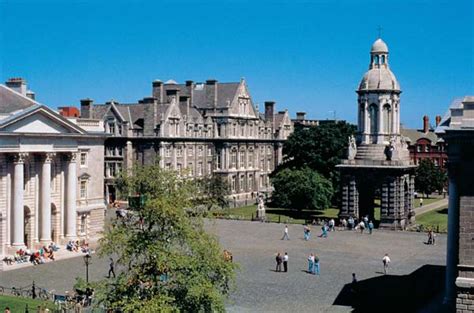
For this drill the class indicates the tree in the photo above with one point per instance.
(214, 191)
(320, 148)
(301, 189)
(171, 263)
(429, 177)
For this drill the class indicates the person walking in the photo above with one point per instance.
(324, 231)
(305, 232)
(111, 268)
(285, 262)
(278, 260)
(285, 235)
(386, 261)
(362, 227)
(316, 265)
(371, 227)
(310, 263)
(421, 202)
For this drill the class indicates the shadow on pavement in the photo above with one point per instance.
(389, 293)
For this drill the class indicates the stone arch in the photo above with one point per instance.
(374, 123)
(28, 226)
(55, 223)
(387, 118)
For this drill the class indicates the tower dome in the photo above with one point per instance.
(379, 46)
(379, 76)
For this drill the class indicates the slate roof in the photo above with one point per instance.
(415, 134)
(11, 101)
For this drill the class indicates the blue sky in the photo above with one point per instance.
(306, 55)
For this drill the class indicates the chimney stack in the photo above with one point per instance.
(190, 85)
(269, 110)
(86, 108)
(158, 90)
(211, 91)
(438, 120)
(300, 116)
(30, 94)
(18, 84)
(426, 124)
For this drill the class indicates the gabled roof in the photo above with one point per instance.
(415, 134)
(11, 101)
(45, 111)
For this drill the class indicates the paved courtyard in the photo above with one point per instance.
(260, 289)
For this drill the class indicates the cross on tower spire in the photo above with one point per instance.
(379, 29)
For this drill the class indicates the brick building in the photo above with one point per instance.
(197, 129)
(458, 131)
(424, 143)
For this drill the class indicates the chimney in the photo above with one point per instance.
(18, 84)
(86, 108)
(30, 94)
(158, 91)
(190, 86)
(172, 91)
(211, 92)
(438, 120)
(69, 111)
(150, 118)
(300, 116)
(426, 124)
(269, 108)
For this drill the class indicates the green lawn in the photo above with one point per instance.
(426, 201)
(277, 214)
(434, 219)
(18, 304)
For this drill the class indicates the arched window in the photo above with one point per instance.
(361, 117)
(387, 119)
(383, 59)
(376, 59)
(373, 119)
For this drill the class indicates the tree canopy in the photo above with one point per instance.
(301, 189)
(170, 263)
(429, 177)
(320, 148)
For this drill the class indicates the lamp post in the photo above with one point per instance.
(87, 260)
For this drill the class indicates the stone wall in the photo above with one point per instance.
(465, 301)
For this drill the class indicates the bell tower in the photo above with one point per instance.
(378, 161)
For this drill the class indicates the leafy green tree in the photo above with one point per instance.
(213, 191)
(320, 148)
(429, 177)
(169, 263)
(301, 189)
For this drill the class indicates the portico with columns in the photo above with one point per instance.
(51, 176)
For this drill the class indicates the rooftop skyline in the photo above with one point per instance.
(307, 56)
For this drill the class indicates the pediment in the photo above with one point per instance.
(39, 120)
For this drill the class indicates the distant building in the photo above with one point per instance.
(197, 129)
(301, 120)
(425, 144)
(51, 187)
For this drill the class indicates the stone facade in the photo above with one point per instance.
(49, 187)
(197, 129)
(378, 160)
(458, 132)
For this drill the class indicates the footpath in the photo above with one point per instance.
(442, 203)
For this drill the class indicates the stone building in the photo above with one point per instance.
(197, 129)
(424, 143)
(378, 160)
(457, 129)
(49, 187)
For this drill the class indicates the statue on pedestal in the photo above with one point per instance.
(352, 150)
(260, 209)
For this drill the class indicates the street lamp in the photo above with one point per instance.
(87, 260)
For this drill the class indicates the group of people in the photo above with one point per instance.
(431, 237)
(75, 246)
(353, 224)
(313, 264)
(281, 259)
(40, 256)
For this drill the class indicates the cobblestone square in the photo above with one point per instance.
(259, 287)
